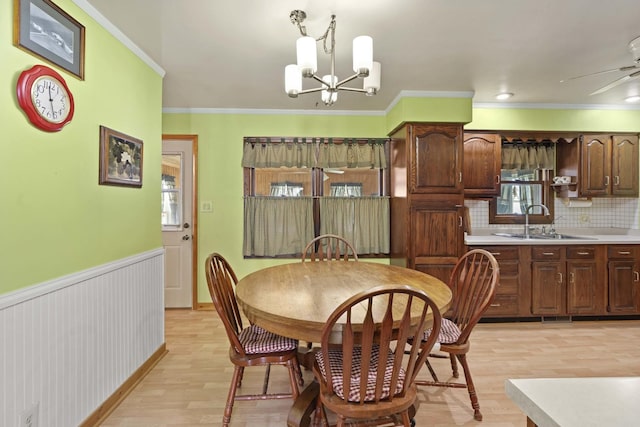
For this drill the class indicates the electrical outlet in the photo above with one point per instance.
(206, 206)
(584, 219)
(29, 417)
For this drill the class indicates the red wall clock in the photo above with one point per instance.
(45, 98)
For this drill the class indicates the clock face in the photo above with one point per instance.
(51, 99)
(45, 98)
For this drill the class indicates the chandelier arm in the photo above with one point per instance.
(351, 89)
(318, 89)
(347, 80)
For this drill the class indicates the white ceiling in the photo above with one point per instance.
(231, 54)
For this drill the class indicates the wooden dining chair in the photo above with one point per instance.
(368, 333)
(473, 284)
(329, 247)
(250, 346)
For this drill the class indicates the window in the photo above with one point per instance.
(298, 188)
(171, 192)
(525, 181)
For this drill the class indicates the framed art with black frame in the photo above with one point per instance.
(46, 31)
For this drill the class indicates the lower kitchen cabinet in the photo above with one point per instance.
(624, 279)
(512, 295)
(567, 280)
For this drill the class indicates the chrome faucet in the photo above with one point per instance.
(526, 217)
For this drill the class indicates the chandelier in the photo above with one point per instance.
(363, 65)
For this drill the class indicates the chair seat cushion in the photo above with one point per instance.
(256, 340)
(449, 332)
(335, 360)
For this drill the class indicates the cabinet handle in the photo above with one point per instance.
(624, 253)
(583, 253)
(460, 221)
(606, 180)
(497, 179)
(496, 253)
(571, 278)
(636, 276)
(460, 177)
(495, 305)
(548, 253)
(616, 180)
(560, 276)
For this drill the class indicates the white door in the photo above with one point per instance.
(177, 221)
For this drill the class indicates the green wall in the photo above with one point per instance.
(56, 219)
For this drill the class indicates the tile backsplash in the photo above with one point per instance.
(604, 212)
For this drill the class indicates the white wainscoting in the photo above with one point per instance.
(66, 345)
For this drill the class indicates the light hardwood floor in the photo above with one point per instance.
(189, 386)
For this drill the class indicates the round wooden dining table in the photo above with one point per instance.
(295, 300)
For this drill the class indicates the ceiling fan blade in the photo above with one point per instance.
(617, 83)
(626, 68)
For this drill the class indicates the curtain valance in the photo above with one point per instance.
(528, 157)
(314, 152)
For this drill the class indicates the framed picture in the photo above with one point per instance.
(120, 159)
(46, 31)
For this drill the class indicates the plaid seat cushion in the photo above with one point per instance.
(449, 332)
(255, 340)
(335, 360)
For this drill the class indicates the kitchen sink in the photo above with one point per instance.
(555, 236)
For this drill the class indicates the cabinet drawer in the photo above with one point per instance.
(508, 285)
(581, 252)
(503, 252)
(546, 252)
(503, 305)
(621, 251)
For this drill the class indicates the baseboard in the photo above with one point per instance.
(205, 306)
(109, 405)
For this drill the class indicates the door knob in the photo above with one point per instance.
(185, 237)
(186, 225)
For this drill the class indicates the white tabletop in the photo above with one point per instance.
(578, 402)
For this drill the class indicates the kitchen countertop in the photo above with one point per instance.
(590, 236)
(577, 402)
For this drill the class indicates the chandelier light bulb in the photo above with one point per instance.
(329, 96)
(372, 82)
(292, 80)
(307, 55)
(362, 55)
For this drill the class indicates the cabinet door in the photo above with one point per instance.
(595, 167)
(623, 287)
(437, 241)
(436, 159)
(481, 164)
(582, 286)
(624, 165)
(547, 288)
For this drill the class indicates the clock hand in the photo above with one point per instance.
(50, 98)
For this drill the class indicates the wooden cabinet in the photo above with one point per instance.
(436, 158)
(513, 292)
(624, 279)
(481, 165)
(427, 197)
(438, 237)
(567, 280)
(605, 165)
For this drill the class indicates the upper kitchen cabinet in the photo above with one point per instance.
(436, 158)
(604, 164)
(481, 165)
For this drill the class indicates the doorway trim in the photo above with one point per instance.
(194, 212)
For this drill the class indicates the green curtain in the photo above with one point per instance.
(277, 225)
(315, 152)
(364, 221)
